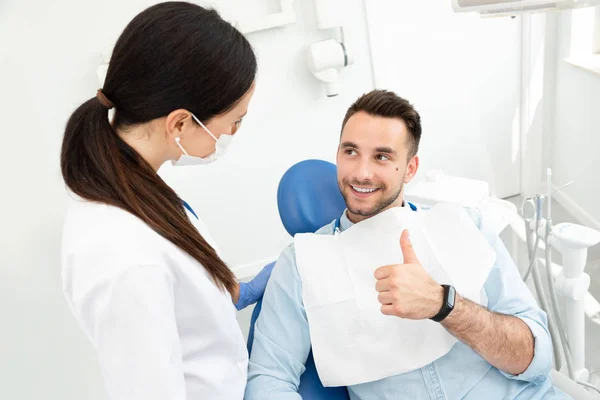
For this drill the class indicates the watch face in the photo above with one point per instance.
(451, 297)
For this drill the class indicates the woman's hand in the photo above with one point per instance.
(250, 292)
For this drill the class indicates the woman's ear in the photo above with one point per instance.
(177, 122)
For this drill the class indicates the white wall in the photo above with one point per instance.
(538, 74)
(576, 137)
(462, 73)
(290, 119)
(50, 51)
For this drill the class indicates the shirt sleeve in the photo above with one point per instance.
(131, 320)
(508, 294)
(281, 336)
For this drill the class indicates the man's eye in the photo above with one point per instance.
(382, 157)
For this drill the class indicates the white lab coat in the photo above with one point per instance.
(161, 328)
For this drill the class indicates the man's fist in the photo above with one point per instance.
(406, 290)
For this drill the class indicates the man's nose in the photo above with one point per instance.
(364, 171)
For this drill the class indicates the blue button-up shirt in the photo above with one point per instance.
(282, 344)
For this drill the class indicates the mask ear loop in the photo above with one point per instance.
(177, 140)
(205, 128)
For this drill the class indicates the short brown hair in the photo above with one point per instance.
(383, 103)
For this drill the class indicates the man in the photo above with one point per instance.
(504, 351)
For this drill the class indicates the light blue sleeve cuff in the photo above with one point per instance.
(541, 364)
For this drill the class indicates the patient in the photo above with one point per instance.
(503, 351)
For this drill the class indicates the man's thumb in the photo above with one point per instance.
(407, 249)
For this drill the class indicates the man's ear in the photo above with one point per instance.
(411, 169)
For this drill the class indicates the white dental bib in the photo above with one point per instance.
(352, 341)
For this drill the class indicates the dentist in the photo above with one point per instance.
(141, 273)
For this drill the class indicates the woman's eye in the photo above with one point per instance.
(236, 126)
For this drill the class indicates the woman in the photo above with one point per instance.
(140, 271)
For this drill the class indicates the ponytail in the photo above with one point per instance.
(99, 166)
(173, 55)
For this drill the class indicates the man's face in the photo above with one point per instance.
(373, 164)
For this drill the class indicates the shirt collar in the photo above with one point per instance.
(345, 222)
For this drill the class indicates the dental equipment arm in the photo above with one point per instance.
(533, 267)
(570, 285)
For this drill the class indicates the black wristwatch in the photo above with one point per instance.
(447, 304)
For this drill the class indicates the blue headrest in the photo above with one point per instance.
(308, 196)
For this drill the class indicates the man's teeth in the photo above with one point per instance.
(363, 190)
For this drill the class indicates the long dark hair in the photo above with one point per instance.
(170, 56)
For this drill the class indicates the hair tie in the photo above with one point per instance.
(104, 100)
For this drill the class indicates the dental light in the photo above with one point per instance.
(502, 8)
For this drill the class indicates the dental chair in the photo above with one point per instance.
(308, 198)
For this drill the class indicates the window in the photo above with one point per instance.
(585, 39)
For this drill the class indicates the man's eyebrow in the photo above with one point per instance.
(388, 150)
(381, 149)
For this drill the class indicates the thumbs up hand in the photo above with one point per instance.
(406, 290)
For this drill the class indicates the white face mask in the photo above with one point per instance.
(220, 147)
